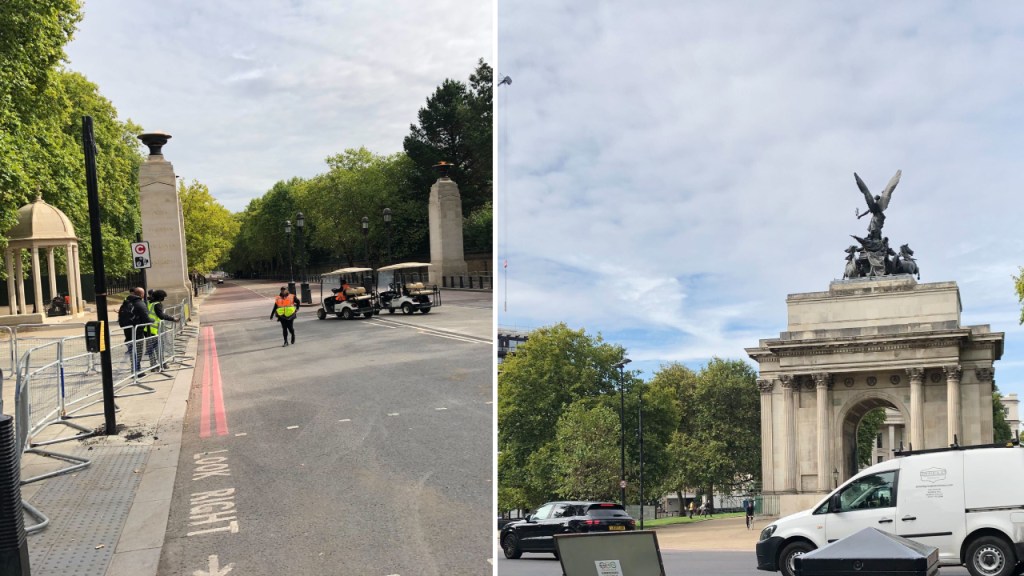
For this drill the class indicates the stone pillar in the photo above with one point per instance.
(79, 300)
(823, 384)
(19, 279)
(37, 282)
(72, 292)
(12, 295)
(162, 224)
(51, 272)
(916, 423)
(445, 213)
(953, 373)
(767, 453)
(789, 384)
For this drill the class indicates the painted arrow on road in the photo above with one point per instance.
(215, 569)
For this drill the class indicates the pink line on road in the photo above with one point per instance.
(204, 407)
(218, 391)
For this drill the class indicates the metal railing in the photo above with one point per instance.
(481, 281)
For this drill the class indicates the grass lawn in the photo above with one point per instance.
(686, 520)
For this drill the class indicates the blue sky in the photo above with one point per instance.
(670, 171)
(256, 91)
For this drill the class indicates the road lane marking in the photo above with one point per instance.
(242, 434)
(393, 414)
(292, 427)
(204, 406)
(442, 408)
(218, 390)
(211, 406)
(214, 568)
(345, 420)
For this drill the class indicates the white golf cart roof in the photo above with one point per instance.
(341, 271)
(403, 266)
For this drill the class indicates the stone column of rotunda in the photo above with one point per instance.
(916, 408)
(953, 373)
(12, 295)
(789, 434)
(767, 455)
(823, 384)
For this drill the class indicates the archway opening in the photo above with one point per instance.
(869, 431)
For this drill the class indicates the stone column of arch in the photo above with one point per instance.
(19, 282)
(12, 296)
(789, 383)
(51, 272)
(953, 373)
(37, 281)
(916, 408)
(767, 470)
(823, 385)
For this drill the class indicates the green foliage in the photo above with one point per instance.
(477, 229)
(587, 457)
(867, 435)
(210, 228)
(1001, 432)
(717, 441)
(456, 126)
(1018, 284)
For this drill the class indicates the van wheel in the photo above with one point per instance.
(990, 556)
(790, 553)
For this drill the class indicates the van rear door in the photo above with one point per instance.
(931, 502)
(867, 502)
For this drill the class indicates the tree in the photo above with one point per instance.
(587, 456)
(1001, 432)
(1018, 283)
(210, 228)
(717, 442)
(867, 435)
(456, 126)
(477, 229)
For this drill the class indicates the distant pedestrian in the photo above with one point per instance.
(132, 317)
(285, 309)
(156, 314)
(691, 509)
(748, 508)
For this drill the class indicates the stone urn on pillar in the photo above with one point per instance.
(447, 257)
(163, 225)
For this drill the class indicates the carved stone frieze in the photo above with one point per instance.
(822, 380)
(765, 385)
(863, 348)
(916, 375)
(953, 372)
(984, 374)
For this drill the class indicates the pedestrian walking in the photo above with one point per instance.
(691, 509)
(132, 317)
(748, 508)
(156, 314)
(285, 309)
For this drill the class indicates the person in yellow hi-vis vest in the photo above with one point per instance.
(156, 314)
(285, 309)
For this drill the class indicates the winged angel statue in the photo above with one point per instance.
(877, 204)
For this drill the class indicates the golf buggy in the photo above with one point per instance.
(353, 297)
(403, 289)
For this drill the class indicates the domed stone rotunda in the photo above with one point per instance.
(41, 227)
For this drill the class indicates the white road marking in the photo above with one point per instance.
(214, 568)
(488, 402)
(381, 324)
(292, 427)
(345, 420)
(442, 408)
(490, 561)
(242, 434)
(393, 414)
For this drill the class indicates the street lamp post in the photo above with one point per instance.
(622, 430)
(300, 224)
(291, 256)
(640, 419)
(366, 239)
(387, 231)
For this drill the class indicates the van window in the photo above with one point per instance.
(875, 491)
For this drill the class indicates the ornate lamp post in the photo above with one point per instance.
(300, 224)
(366, 239)
(387, 232)
(291, 256)
(622, 429)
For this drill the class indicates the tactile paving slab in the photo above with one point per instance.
(87, 511)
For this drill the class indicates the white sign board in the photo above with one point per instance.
(608, 568)
(140, 255)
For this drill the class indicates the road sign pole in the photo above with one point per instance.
(145, 284)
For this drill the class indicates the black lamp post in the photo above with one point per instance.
(622, 429)
(640, 420)
(291, 256)
(387, 231)
(300, 224)
(366, 239)
(835, 478)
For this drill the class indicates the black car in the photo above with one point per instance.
(536, 533)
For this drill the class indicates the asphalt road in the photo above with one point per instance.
(677, 563)
(365, 448)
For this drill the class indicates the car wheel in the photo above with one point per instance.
(510, 546)
(791, 553)
(406, 308)
(321, 313)
(990, 556)
(345, 314)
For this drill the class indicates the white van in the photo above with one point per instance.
(968, 502)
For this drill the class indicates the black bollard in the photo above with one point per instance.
(13, 545)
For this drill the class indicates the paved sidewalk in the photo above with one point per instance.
(110, 517)
(722, 534)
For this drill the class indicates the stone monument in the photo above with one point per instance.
(447, 257)
(163, 225)
(872, 341)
